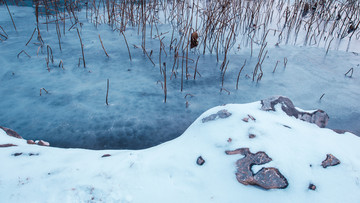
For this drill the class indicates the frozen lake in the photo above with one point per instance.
(74, 114)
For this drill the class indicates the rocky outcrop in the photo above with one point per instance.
(330, 160)
(220, 114)
(318, 117)
(11, 132)
(7, 145)
(267, 178)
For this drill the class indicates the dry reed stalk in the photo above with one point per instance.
(197, 60)
(182, 72)
(223, 75)
(103, 47)
(82, 48)
(10, 14)
(126, 44)
(237, 81)
(221, 89)
(23, 51)
(49, 54)
(165, 87)
(44, 90)
(144, 50)
(351, 71)
(31, 37)
(327, 50)
(276, 66)
(107, 92)
(188, 94)
(61, 64)
(58, 32)
(6, 35)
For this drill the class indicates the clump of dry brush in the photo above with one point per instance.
(211, 27)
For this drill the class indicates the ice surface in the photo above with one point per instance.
(74, 113)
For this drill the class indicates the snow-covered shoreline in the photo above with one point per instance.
(169, 173)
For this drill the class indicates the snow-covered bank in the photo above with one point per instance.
(169, 173)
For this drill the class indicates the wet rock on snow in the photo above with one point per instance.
(200, 161)
(220, 114)
(330, 160)
(43, 143)
(319, 117)
(7, 145)
(267, 178)
(11, 132)
(252, 136)
(312, 186)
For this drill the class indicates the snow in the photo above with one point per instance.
(169, 173)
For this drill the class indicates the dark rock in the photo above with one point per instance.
(270, 178)
(11, 132)
(43, 143)
(252, 136)
(267, 178)
(319, 117)
(200, 161)
(241, 151)
(194, 40)
(286, 126)
(330, 160)
(33, 154)
(106, 155)
(221, 114)
(8, 145)
(312, 186)
(209, 118)
(17, 154)
(229, 140)
(30, 142)
(339, 131)
(245, 119)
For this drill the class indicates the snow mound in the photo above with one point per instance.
(169, 172)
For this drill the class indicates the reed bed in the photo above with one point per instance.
(206, 27)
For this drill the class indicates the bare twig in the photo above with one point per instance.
(44, 90)
(103, 46)
(10, 14)
(23, 51)
(31, 37)
(351, 71)
(107, 92)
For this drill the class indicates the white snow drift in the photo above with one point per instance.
(169, 173)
